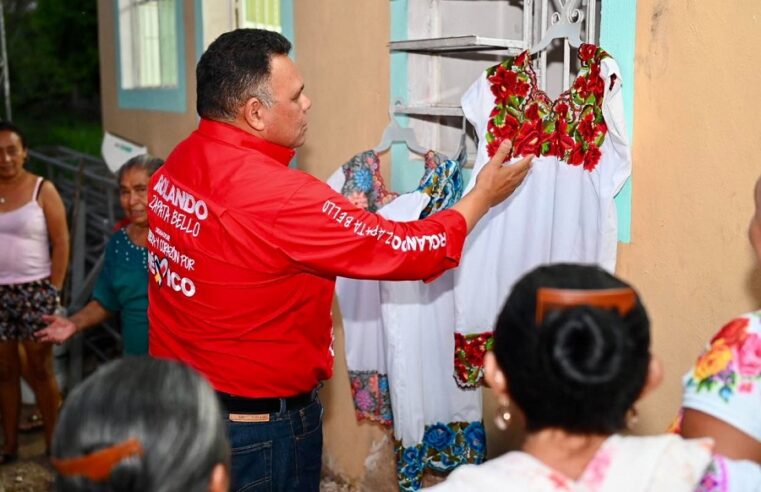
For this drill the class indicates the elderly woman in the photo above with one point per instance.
(572, 353)
(722, 392)
(35, 251)
(141, 424)
(122, 285)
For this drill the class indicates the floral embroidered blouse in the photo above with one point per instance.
(622, 464)
(564, 211)
(726, 379)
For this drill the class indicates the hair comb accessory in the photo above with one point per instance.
(97, 465)
(623, 300)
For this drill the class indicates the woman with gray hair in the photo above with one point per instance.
(122, 285)
(141, 424)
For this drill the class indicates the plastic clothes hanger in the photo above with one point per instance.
(562, 26)
(394, 132)
(461, 155)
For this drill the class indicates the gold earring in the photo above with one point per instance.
(632, 417)
(503, 416)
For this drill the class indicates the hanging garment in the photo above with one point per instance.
(563, 211)
(437, 425)
(361, 182)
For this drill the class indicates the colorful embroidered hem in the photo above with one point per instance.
(469, 351)
(571, 127)
(444, 447)
(372, 399)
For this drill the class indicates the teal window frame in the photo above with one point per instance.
(170, 99)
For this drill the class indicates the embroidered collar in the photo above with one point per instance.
(235, 136)
(571, 127)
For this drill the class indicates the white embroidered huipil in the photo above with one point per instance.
(359, 300)
(437, 425)
(564, 211)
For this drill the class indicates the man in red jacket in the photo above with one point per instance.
(244, 251)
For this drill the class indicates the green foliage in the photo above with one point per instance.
(53, 55)
(54, 71)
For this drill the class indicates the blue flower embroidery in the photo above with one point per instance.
(439, 436)
(475, 437)
(363, 178)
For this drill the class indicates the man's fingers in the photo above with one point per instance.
(502, 152)
(524, 164)
(48, 318)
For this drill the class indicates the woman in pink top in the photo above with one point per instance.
(33, 261)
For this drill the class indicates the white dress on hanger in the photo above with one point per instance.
(564, 211)
(399, 338)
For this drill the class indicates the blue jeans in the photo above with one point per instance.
(282, 454)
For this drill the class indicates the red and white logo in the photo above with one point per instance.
(161, 273)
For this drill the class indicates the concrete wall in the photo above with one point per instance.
(341, 52)
(160, 131)
(695, 160)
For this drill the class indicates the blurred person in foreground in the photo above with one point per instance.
(141, 425)
(722, 391)
(572, 354)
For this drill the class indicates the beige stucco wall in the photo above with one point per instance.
(696, 148)
(160, 131)
(345, 65)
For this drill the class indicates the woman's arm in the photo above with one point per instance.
(58, 232)
(60, 329)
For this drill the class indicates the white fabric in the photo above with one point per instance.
(741, 476)
(623, 464)
(404, 330)
(418, 321)
(560, 213)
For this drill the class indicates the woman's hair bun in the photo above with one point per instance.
(583, 346)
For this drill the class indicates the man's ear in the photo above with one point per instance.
(494, 376)
(253, 114)
(654, 377)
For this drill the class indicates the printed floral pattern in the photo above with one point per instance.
(715, 478)
(731, 363)
(442, 182)
(571, 128)
(372, 399)
(469, 351)
(444, 447)
(364, 185)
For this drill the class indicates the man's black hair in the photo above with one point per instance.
(235, 68)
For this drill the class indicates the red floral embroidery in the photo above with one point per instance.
(571, 128)
(469, 351)
(733, 333)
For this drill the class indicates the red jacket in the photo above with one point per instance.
(243, 255)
